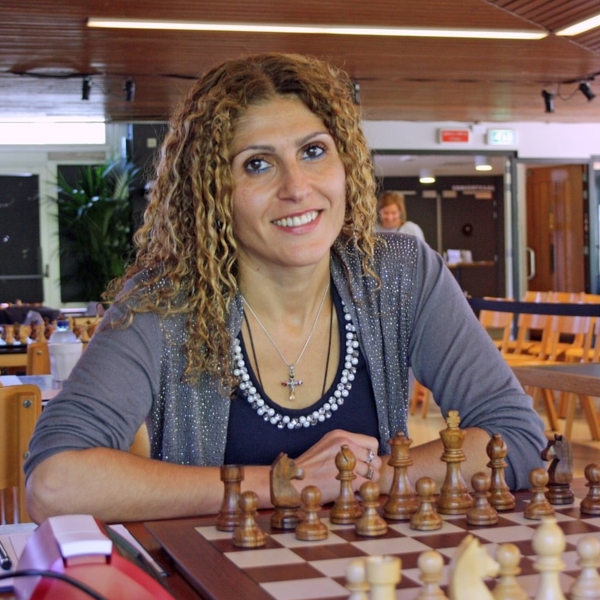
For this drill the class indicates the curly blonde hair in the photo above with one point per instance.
(186, 249)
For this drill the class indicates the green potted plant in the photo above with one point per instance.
(95, 223)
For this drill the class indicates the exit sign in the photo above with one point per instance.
(454, 136)
(501, 137)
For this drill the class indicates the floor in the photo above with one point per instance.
(585, 451)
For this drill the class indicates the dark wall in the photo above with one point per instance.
(143, 144)
(20, 251)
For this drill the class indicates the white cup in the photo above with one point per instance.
(63, 358)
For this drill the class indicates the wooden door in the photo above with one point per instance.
(555, 227)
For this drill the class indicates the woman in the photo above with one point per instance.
(262, 315)
(391, 209)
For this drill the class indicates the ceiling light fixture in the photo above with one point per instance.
(581, 26)
(426, 176)
(586, 90)
(482, 163)
(500, 34)
(129, 90)
(548, 101)
(86, 87)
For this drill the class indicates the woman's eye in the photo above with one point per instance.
(314, 151)
(256, 165)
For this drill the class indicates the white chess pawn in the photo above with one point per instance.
(383, 573)
(549, 543)
(508, 557)
(356, 580)
(587, 584)
(431, 565)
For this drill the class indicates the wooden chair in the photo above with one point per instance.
(20, 407)
(38, 358)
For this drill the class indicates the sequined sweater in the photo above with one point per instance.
(417, 316)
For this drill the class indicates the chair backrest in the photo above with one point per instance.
(38, 358)
(495, 320)
(20, 408)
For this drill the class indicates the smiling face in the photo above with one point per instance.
(391, 216)
(289, 186)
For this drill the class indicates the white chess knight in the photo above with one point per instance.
(470, 566)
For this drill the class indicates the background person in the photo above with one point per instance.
(391, 209)
(262, 315)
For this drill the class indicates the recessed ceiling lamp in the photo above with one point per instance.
(482, 163)
(499, 34)
(581, 26)
(426, 176)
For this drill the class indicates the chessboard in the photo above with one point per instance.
(289, 569)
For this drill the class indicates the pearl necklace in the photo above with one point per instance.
(342, 389)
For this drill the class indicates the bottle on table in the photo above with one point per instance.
(65, 350)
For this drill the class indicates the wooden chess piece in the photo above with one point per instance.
(402, 500)
(248, 534)
(311, 528)
(230, 513)
(590, 505)
(9, 334)
(356, 579)
(538, 506)
(24, 331)
(346, 508)
(470, 567)
(431, 565)
(549, 543)
(383, 574)
(587, 584)
(426, 518)
(454, 497)
(482, 512)
(560, 472)
(284, 496)
(508, 557)
(500, 497)
(370, 523)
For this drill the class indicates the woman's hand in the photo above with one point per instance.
(318, 462)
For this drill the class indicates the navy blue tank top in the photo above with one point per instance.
(253, 440)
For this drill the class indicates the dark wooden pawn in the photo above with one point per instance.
(248, 534)
(590, 505)
(482, 512)
(539, 506)
(370, 523)
(311, 528)
(426, 518)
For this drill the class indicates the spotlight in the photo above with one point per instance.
(586, 90)
(548, 101)
(86, 86)
(426, 176)
(129, 90)
(356, 92)
(482, 163)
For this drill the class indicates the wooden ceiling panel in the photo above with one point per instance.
(46, 49)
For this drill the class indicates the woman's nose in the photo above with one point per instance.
(294, 184)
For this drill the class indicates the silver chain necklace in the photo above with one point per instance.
(292, 382)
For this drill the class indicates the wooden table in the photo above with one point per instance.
(197, 568)
(13, 356)
(577, 378)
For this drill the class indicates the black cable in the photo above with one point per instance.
(54, 575)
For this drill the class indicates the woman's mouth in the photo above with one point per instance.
(298, 220)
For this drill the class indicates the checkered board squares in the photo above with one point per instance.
(290, 569)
